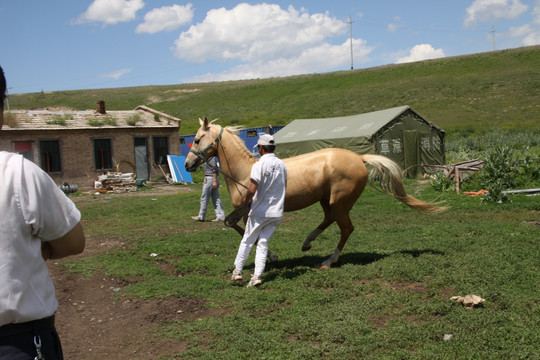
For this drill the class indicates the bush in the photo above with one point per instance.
(440, 182)
(500, 173)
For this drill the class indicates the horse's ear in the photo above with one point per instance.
(204, 124)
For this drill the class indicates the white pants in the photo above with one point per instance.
(261, 229)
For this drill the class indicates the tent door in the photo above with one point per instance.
(141, 158)
(411, 152)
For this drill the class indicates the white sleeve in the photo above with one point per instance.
(45, 207)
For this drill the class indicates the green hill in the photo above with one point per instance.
(473, 92)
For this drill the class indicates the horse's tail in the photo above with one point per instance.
(388, 174)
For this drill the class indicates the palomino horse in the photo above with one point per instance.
(333, 177)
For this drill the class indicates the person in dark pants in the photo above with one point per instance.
(38, 222)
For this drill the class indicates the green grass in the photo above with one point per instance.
(468, 92)
(387, 298)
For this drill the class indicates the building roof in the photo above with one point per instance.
(140, 117)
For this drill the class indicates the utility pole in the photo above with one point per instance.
(493, 36)
(352, 62)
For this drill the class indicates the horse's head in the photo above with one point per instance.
(205, 144)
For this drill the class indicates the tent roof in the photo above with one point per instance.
(361, 125)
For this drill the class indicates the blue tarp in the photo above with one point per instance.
(178, 171)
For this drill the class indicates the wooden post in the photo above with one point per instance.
(456, 175)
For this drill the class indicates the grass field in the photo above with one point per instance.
(387, 298)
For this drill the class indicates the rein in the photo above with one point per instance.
(200, 155)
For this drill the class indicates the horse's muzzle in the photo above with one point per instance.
(192, 164)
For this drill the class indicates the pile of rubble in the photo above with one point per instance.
(115, 182)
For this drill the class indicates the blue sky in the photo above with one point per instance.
(67, 45)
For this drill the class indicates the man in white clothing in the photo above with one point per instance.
(37, 222)
(266, 196)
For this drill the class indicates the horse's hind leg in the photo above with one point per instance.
(327, 221)
(345, 225)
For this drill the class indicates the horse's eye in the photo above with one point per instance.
(197, 142)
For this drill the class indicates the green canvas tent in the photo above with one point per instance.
(399, 133)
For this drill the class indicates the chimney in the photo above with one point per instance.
(100, 107)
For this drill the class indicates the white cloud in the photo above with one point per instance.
(166, 18)
(529, 33)
(266, 40)
(253, 32)
(110, 12)
(316, 59)
(533, 36)
(421, 52)
(493, 10)
(115, 74)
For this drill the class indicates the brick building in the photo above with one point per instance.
(75, 147)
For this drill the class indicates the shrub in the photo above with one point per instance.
(10, 119)
(60, 120)
(440, 182)
(133, 120)
(107, 120)
(499, 173)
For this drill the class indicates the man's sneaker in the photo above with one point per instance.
(236, 275)
(255, 281)
(196, 218)
(216, 220)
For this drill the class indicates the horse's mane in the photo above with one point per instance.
(234, 131)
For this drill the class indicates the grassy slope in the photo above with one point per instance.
(475, 91)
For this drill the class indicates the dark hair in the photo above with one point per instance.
(2, 88)
(269, 148)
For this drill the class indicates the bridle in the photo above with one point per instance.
(200, 155)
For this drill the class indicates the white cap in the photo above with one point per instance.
(266, 139)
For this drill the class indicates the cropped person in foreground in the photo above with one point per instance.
(38, 222)
(266, 197)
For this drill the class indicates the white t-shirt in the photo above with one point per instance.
(33, 209)
(270, 173)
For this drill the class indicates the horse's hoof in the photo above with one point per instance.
(306, 247)
(324, 267)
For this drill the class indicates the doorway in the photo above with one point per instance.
(141, 157)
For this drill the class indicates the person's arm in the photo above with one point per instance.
(250, 193)
(214, 181)
(71, 243)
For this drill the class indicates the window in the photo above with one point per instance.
(24, 148)
(102, 154)
(49, 152)
(161, 149)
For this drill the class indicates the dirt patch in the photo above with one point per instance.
(94, 322)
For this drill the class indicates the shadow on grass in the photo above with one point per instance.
(298, 266)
